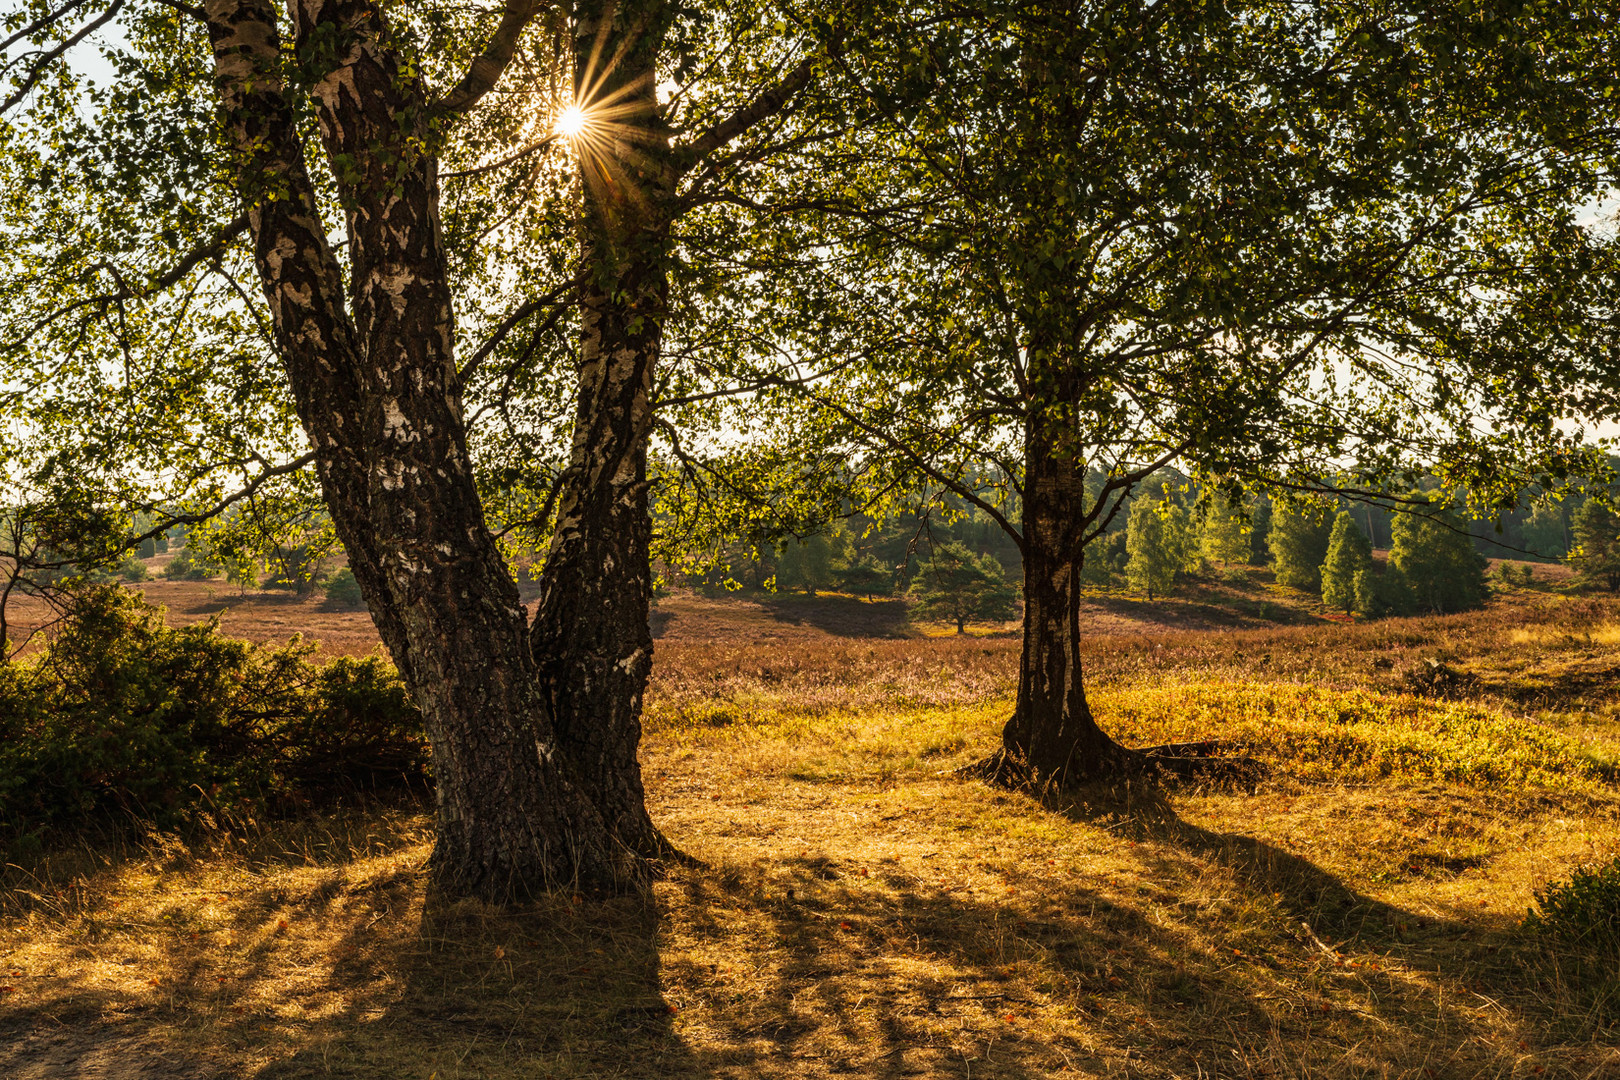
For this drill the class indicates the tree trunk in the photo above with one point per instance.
(590, 634)
(1052, 741)
(377, 395)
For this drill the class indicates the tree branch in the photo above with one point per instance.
(766, 105)
(42, 22)
(252, 487)
(508, 324)
(491, 64)
(37, 71)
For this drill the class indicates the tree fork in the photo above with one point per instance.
(590, 634)
(376, 394)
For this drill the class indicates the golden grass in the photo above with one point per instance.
(1602, 634)
(856, 911)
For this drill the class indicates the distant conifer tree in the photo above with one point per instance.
(1596, 556)
(957, 586)
(1436, 554)
(1349, 554)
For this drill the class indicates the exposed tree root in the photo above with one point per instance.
(1202, 761)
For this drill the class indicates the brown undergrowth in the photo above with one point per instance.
(855, 911)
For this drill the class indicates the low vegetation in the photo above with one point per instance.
(853, 908)
(121, 716)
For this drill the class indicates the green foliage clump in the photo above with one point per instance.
(122, 715)
(1436, 555)
(343, 589)
(957, 586)
(867, 577)
(1381, 592)
(1349, 555)
(1224, 533)
(1158, 540)
(1596, 531)
(188, 565)
(1585, 910)
(1298, 540)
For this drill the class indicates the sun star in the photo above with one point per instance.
(571, 122)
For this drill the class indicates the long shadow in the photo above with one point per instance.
(887, 969)
(842, 616)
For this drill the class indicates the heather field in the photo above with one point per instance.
(850, 907)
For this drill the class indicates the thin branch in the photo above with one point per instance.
(516, 155)
(252, 487)
(510, 323)
(37, 71)
(186, 9)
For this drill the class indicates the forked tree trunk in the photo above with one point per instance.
(376, 391)
(1052, 741)
(590, 633)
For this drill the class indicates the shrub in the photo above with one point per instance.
(184, 565)
(124, 715)
(1585, 910)
(342, 588)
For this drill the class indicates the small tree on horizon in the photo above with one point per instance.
(1156, 539)
(1596, 531)
(1299, 541)
(955, 585)
(1349, 554)
(1436, 554)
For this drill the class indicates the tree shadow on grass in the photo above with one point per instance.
(971, 964)
(841, 616)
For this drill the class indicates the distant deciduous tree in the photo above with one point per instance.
(1298, 541)
(1224, 535)
(868, 577)
(806, 564)
(1349, 555)
(1596, 556)
(1157, 542)
(958, 586)
(1436, 554)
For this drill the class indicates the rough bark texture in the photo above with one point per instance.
(372, 371)
(590, 633)
(1052, 741)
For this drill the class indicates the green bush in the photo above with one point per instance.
(122, 715)
(183, 565)
(1585, 910)
(342, 588)
(1381, 591)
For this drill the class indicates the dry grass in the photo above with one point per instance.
(856, 911)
